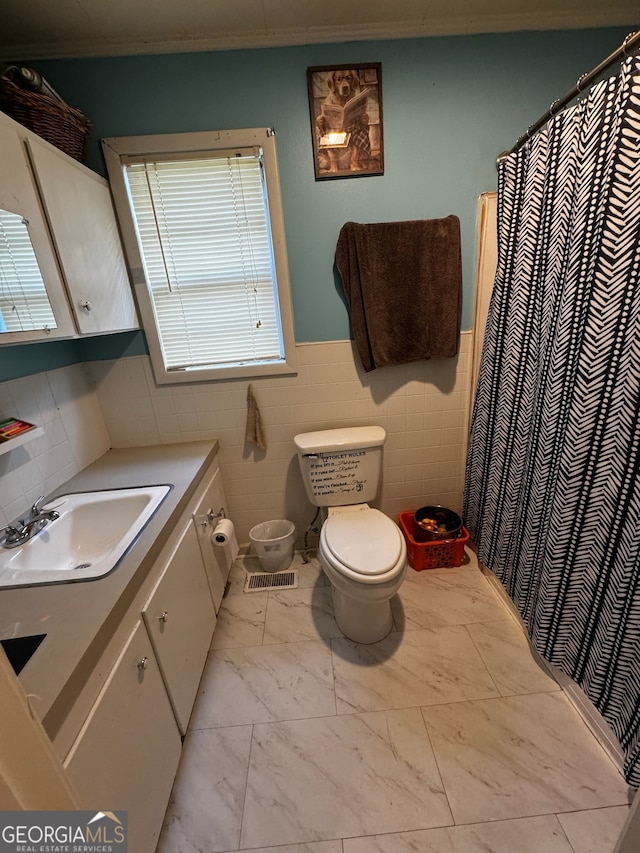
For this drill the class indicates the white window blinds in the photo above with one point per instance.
(204, 236)
(24, 303)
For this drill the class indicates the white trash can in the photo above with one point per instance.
(272, 542)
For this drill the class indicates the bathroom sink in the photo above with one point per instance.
(87, 541)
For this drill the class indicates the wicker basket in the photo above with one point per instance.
(58, 123)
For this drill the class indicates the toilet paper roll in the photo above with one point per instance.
(224, 539)
(224, 532)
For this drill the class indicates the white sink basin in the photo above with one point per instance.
(87, 541)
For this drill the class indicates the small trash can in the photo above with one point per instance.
(272, 542)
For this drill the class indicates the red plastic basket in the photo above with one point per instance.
(431, 555)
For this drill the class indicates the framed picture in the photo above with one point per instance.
(345, 103)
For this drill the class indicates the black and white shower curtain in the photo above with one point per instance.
(552, 493)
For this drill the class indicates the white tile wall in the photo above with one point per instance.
(64, 404)
(423, 406)
(85, 409)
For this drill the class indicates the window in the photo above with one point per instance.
(202, 224)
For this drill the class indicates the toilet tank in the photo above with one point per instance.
(341, 466)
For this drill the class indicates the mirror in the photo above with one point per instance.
(24, 303)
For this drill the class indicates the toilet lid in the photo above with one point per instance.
(367, 541)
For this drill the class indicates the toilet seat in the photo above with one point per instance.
(365, 545)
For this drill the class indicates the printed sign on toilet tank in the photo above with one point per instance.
(337, 473)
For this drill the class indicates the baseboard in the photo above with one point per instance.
(578, 698)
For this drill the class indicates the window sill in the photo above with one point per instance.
(222, 374)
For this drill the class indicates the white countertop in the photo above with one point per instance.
(80, 618)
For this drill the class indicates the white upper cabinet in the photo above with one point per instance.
(75, 240)
(32, 307)
(77, 204)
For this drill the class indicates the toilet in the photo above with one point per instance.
(362, 551)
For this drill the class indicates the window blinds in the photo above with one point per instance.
(203, 230)
(24, 303)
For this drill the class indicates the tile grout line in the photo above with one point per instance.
(246, 785)
(480, 655)
(564, 834)
(435, 759)
(266, 613)
(333, 670)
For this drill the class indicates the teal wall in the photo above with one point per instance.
(26, 359)
(451, 105)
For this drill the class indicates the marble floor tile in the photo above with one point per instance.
(237, 575)
(311, 847)
(526, 835)
(519, 756)
(265, 683)
(438, 597)
(334, 777)
(205, 809)
(240, 621)
(280, 758)
(300, 614)
(309, 574)
(422, 667)
(507, 655)
(594, 831)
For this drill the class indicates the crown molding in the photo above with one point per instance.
(284, 37)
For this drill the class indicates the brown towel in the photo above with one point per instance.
(403, 283)
(254, 431)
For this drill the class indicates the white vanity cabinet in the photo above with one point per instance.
(121, 738)
(125, 731)
(180, 619)
(127, 753)
(74, 234)
(212, 502)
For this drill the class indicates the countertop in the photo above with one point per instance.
(80, 618)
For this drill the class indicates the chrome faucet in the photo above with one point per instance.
(21, 531)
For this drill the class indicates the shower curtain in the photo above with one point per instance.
(552, 492)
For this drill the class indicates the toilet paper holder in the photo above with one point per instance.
(214, 517)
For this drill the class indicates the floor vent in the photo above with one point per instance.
(258, 581)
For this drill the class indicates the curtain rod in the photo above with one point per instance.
(626, 49)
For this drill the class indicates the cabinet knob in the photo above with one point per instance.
(86, 306)
(164, 617)
(142, 664)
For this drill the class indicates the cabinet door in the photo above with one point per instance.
(78, 206)
(127, 752)
(18, 196)
(180, 619)
(216, 562)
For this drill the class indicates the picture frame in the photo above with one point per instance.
(345, 107)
